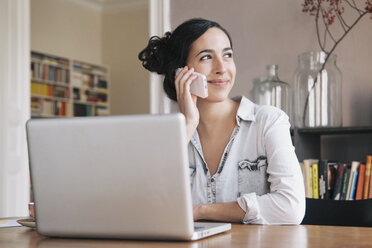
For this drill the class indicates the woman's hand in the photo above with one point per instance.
(197, 212)
(187, 101)
(227, 212)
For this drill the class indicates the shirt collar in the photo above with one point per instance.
(245, 110)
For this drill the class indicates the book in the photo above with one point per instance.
(338, 182)
(367, 181)
(326, 172)
(331, 170)
(353, 169)
(323, 178)
(360, 185)
(311, 189)
(308, 179)
(354, 185)
(315, 181)
(345, 182)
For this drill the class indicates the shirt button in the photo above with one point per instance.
(212, 180)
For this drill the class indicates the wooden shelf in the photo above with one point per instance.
(336, 143)
(49, 70)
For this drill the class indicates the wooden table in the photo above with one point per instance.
(239, 236)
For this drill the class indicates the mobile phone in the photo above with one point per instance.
(199, 86)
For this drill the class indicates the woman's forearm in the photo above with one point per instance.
(229, 212)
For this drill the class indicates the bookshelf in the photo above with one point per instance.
(344, 144)
(63, 87)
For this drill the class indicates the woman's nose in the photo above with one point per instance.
(219, 66)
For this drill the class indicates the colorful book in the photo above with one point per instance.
(323, 178)
(367, 192)
(354, 186)
(354, 167)
(338, 182)
(311, 188)
(315, 181)
(308, 179)
(360, 185)
(345, 182)
(331, 171)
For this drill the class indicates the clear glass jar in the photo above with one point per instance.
(319, 104)
(272, 91)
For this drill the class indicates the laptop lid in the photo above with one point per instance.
(111, 177)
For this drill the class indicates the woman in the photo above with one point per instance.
(242, 163)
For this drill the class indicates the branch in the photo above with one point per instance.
(317, 27)
(327, 29)
(342, 21)
(360, 11)
(325, 40)
(325, 62)
(353, 6)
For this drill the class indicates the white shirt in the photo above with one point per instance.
(258, 169)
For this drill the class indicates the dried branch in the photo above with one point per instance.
(354, 6)
(328, 19)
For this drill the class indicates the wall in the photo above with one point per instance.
(112, 36)
(125, 34)
(65, 28)
(271, 31)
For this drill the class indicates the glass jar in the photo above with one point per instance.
(317, 95)
(272, 91)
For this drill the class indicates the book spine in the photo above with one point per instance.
(354, 167)
(323, 178)
(345, 183)
(359, 190)
(354, 186)
(338, 182)
(311, 188)
(315, 182)
(369, 162)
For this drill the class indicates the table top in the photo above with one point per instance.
(239, 236)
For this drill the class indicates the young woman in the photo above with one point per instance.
(242, 162)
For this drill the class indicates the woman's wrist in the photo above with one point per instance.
(190, 129)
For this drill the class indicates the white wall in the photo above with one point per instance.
(111, 33)
(271, 31)
(124, 35)
(66, 28)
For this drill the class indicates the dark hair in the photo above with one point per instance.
(164, 55)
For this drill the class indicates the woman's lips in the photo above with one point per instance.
(219, 82)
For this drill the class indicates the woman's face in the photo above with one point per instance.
(211, 54)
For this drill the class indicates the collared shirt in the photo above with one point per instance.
(258, 169)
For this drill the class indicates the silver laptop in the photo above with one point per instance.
(113, 177)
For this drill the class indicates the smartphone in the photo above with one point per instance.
(199, 86)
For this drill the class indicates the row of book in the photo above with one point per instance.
(84, 80)
(48, 107)
(51, 60)
(90, 96)
(41, 89)
(89, 110)
(326, 179)
(50, 73)
(89, 68)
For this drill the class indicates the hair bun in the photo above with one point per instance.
(155, 56)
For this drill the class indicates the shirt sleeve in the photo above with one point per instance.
(285, 204)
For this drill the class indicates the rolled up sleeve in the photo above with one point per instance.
(285, 203)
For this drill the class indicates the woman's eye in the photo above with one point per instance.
(205, 57)
(228, 55)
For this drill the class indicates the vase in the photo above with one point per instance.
(317, 93)
(272, 91)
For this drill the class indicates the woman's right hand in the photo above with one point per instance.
(187, 101)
